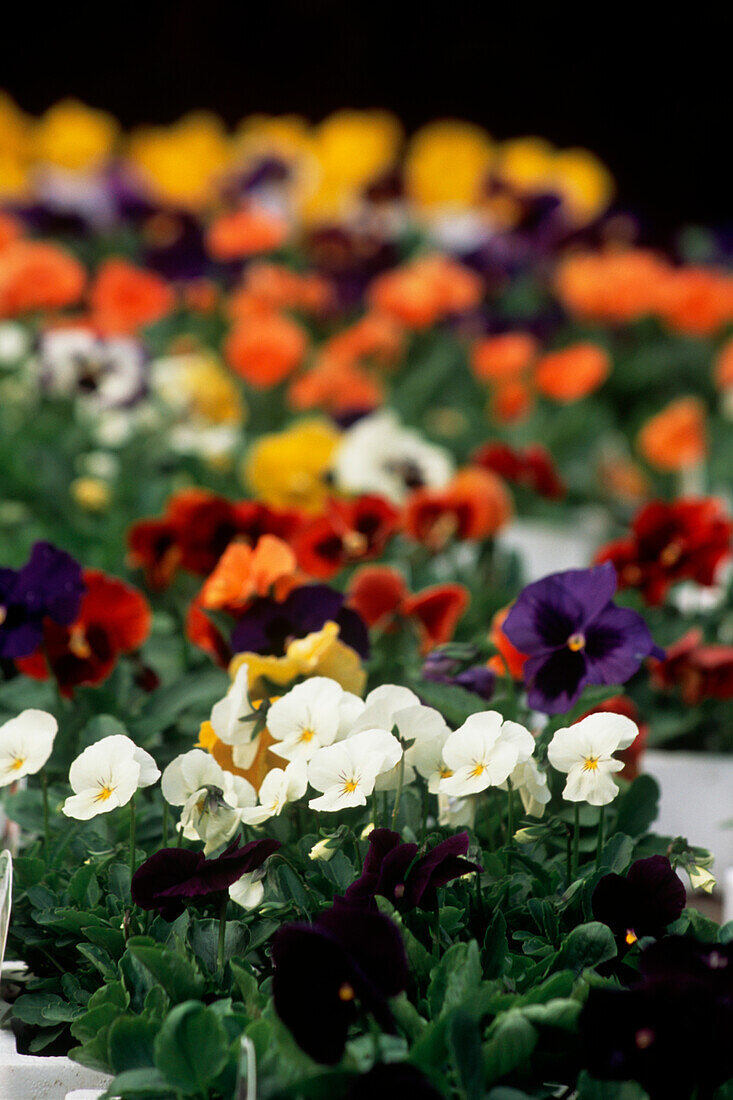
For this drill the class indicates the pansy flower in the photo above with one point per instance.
(585, 752)
(685, 540)
(531, 467)
(700, 671)
(173, 878)
(102, 373)
(395, 871)
(268, 625)
(574, 635)
(49, 587)
(348, 959)
(113, 618)
(644, 903)
(347, 532)
(379, 594)
(440, 668)
(474, 505)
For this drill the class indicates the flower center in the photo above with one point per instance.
(576, 642)
(3, 614)
(671, 554)
(644, 1038)
(445, 772)
(18, 762)
(104, 794)
(478, 770)
(355, 544)
(590, 764)
(346, 992)
(78, 643)
(307, 734)
(350, 786)
(631, 936)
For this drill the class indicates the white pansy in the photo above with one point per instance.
(248, 891)
(306, 718)
(479, 755)
(213, 801)
(279, 787)
(456, 812)
(531, 783)
(392, 706)
(585, 752)
(106, 775)
(346, 771)
(233, 720)
(379, 455)
(426, 757)
(15, 341)
(382, 705)
(25, 744)
(350, 709)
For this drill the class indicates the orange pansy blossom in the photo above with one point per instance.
(474, 505)
(124, 298)
(572, 373)
(244, 572)
(271, 288)
(37, 275)
(425, 290)
(245, 232)
(265, 349)
(676, 437)
(508, 659)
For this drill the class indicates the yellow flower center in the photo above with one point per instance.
(590, 764)
(18, 762)
(445, 772)
(3, 614)
(78, 643)
(346, 992)
(477, 770)
(350, 786)
(631, 936)
(104, 794)
(307, 735)
(671, 554)
(576, 642)
(355, 543)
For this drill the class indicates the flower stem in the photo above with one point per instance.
(132, 836)
(44, 788)
(399, 789)
(599, 844)
(576, 839)
(222, 934)
(165, 823)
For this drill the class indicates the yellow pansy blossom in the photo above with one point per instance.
(182, 162)
(447, 163)
(73, 136)
(288, 469)
(319, 654)
(585, 184)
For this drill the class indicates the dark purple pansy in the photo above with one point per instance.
(349, 959)
(574, 635)
(268, 625)
(440, 668)
(174, 877)
(49, 584)
(393, 1081)
(394, 871)
(671, 1032)
(644, 903)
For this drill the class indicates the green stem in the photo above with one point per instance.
(222, 934)
(576, 839)
(132, 836)
(425, 810)
(599, 844)
(399, 789)
(44, 788)
(165, 823)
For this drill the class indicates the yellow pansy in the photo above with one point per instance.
(14, 179)
(584, 182)
(198, 383)
(288, 469)
(285, 136)
(353, 147)
(73, 136)
(182, 162)
(526, 164)
(319, 654)
(447, 163)
(93, 494)
(14, 128)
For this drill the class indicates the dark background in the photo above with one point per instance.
(651, 99)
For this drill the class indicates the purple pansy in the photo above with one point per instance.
(394, 871)
(441, 668)
(644, 903)
(172, 878)
(49, 584)
(268, 625)
(574, 635)
(349, 958)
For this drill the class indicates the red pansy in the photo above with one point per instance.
(530, 466)
(381, 597)
(700, 671)
(114, 618)
(347, 532)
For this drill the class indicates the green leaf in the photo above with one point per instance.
(637, 807)
(205, 941)
(83, 886)
(512, 1039)
(249, 988)
(464, 1045)
(140, 1082)
(587, 945)
(495, 949)
(456, 975)
(130, 1043)
(179, 976)
(191, 1048)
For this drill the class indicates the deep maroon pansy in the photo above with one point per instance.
(268, 625)
(394, 870)
(49, 586)
(574, 635)
(173, 878)
(349, 959)
(644, 903)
